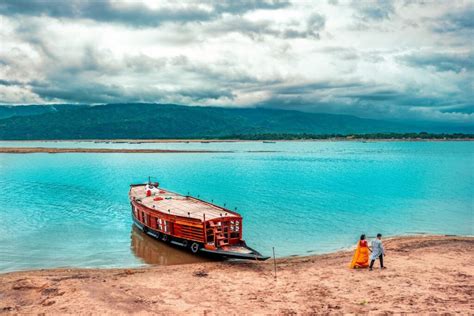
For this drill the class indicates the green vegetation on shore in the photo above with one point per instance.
(398, 136)
(170, 121)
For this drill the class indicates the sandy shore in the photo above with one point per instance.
(424, 275)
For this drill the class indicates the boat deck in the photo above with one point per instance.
(179, 205)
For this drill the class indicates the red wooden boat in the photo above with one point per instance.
(189, 222)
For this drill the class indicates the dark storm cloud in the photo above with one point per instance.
(84, 91)
(377, 10)
(440, 61)
(257, 29)
(362, 95)
(206, 94)
(79, 91)
(459, 21)
(243, 6)
(357, 91)
(375, 95)
(309, 88)
(401, 98)
(315, 23)
(4, 82)
(461, 109)
(131, 14)
(138, 15)
(67, 84)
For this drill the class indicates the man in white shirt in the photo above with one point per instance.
(378, 251)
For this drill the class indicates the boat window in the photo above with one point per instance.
(159, 222)
(234, 226)
(145, 218)
(163, 225)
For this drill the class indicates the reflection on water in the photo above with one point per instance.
(152, 251)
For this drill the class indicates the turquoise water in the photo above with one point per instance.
(72, 210)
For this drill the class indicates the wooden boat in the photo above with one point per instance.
(189, 222)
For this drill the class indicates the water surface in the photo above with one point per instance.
(72, 210)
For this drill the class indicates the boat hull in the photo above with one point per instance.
(250, 254)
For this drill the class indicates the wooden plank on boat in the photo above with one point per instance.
(175, 204)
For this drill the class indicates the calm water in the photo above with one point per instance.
(64, 210)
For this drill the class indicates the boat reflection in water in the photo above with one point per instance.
(151, 251)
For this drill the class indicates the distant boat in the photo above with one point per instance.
(268, 142)
(191, 223)
(205, 142)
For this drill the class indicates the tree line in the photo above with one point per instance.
(366, 136)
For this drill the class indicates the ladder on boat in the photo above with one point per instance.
(220, 232)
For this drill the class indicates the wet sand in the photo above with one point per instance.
(152, 252)
(425, 275)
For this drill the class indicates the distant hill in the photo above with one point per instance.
(147, 121)
(7, 111)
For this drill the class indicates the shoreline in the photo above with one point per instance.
(426, 274)
(203, 259)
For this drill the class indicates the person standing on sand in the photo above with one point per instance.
(361, 255)
(377, 252)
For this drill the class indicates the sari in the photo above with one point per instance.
(361, 255)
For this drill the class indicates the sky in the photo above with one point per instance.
(398, 60)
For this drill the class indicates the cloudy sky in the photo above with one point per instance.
(378, 59)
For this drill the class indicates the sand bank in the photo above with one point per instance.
(50, 150)
(424, 275)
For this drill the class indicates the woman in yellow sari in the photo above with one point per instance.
(361, 255)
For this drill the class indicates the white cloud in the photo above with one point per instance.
(386, 60)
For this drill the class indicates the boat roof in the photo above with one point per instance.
(179, 205)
